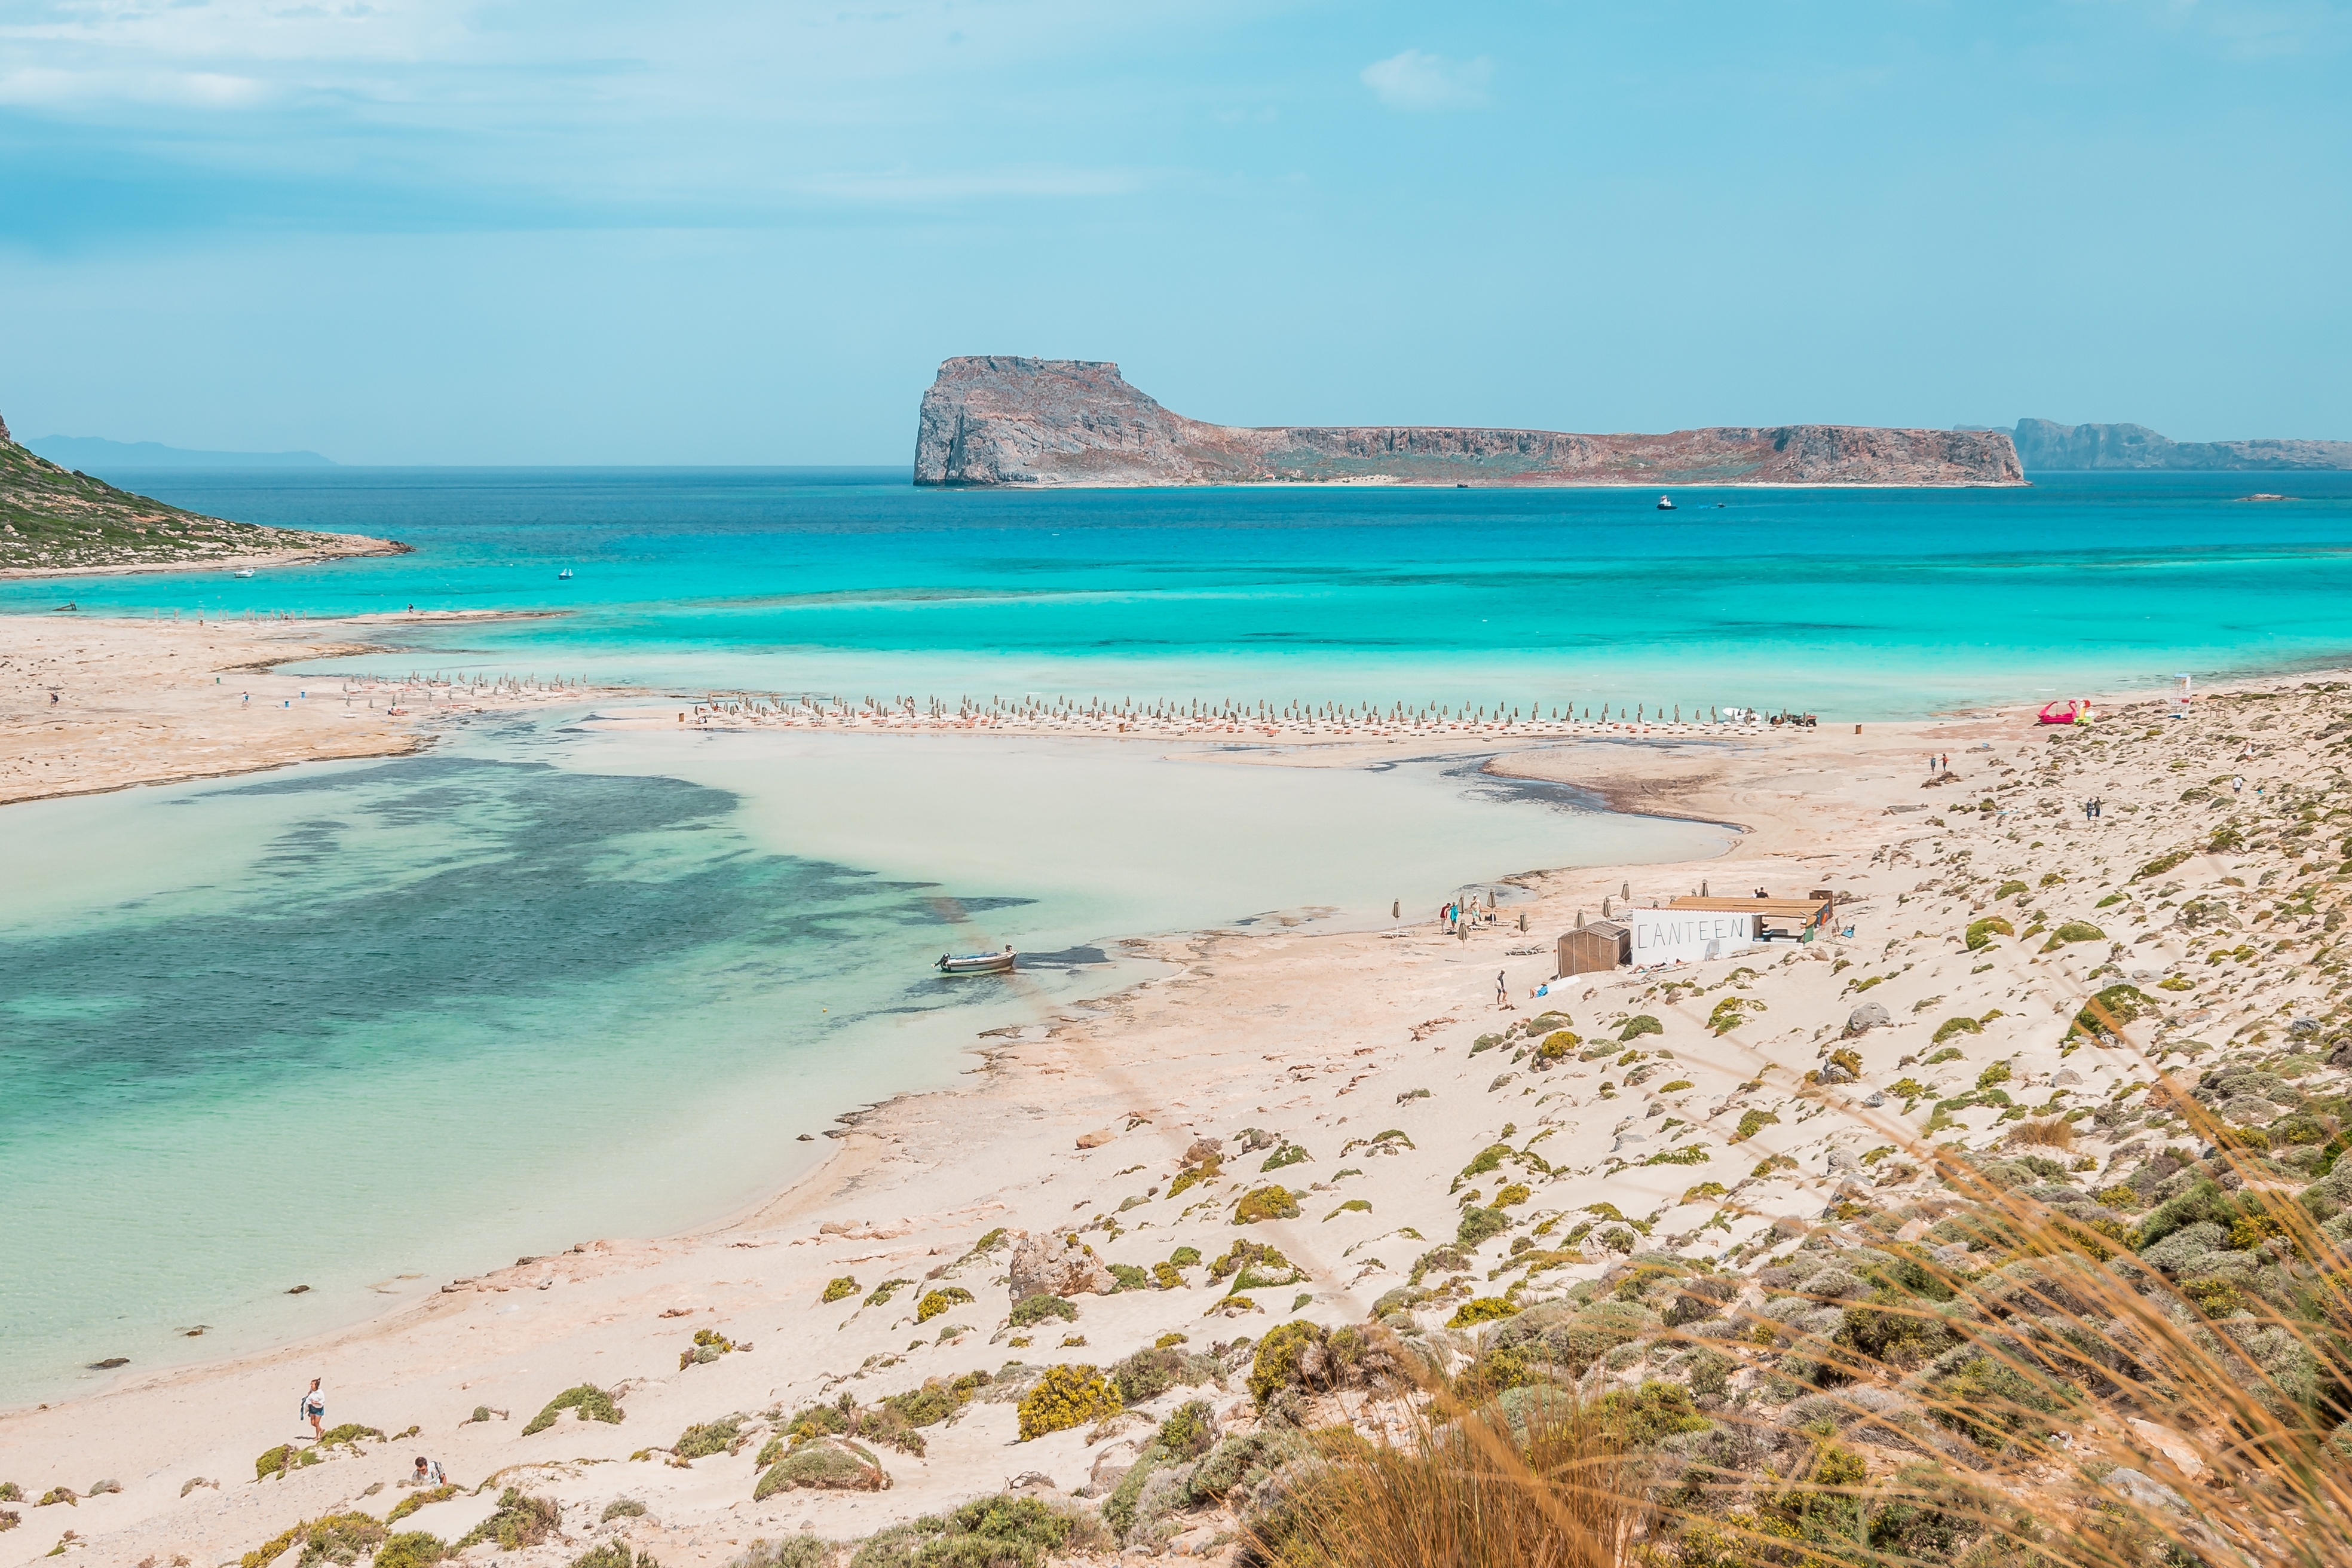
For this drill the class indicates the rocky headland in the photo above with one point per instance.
(2046, 445)
(997, 419)
(56, 521)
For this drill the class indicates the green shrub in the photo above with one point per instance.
(341, 1536)
(1637, 1026)
(948, 1296)
(521, 1521)
(1481, 1310)
(1287, 1153)
(1276, 1365)
(1981, 933)
(883, 1292)
(844, 1287)
(1480, 1225)
(1642, 1418)
(2121, 1001)
(1485, 1160)
(990, 1532)
(1730, 1012)
(705, 1438)
(1990, 1403)
(1154, 1371)
(1752, 1122)
(2008, 889)
(822, 1465)
(938, 1398)
(622, 1507)
(592, 1402)
(2161, 864)
(1963, 1024)
(1997, 1073)
(349, 1432)
(1688, 1154)
(1353, 1206)
(284, 1458)
(418, 1499)
(614, 1554)
(1065, 1396)
(1164, 1277)
(2073, 930)
(1188, 1430)
(1033, 1310)
(709, 1344)
(1185, 1257)
(410, 1548)
(1266, 1203)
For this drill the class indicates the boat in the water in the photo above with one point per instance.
(564, 575)
(245, 571)
(1665, 503)
(977, 962)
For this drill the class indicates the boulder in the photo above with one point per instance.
(1869, 1016)
(1058, 1266)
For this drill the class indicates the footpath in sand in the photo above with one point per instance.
(1323, 1128)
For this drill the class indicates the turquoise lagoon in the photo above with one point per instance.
(364, 1025)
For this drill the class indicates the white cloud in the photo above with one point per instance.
(1412, 80)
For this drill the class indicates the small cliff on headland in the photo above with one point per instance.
(2045, 444)
(993, 420)
(54, 520)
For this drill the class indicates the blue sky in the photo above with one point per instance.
(709, 232)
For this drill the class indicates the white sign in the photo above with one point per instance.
(1686, 936)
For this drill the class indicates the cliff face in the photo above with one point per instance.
(1006, 420)
(2045, 444)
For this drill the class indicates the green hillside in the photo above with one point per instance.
(56, 519)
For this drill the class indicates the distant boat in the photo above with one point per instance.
(244, 572)
(977, 964)
(1665, 503)
(564, 575)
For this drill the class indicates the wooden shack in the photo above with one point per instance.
(1599, 944)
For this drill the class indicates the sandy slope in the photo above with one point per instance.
(1321, 1040)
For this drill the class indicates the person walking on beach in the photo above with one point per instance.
(314, 1409)
(1502, 991)
(428, 1473)
(2238, 783)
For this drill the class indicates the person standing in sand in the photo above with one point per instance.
(1503, 993)
(314, 1409)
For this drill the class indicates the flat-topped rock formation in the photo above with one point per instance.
(2045, 444)
(994, 419)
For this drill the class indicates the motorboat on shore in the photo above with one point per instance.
(1665, 503)
(977, 962)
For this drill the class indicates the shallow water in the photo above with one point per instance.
(353, 1023)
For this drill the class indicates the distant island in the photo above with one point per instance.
(54, 520)
(2045, 446)
(98, 452)
(1006, 420)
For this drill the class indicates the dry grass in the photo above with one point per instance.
(2050, 1132)
(1560, 1491)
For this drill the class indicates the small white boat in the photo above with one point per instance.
(564, 575)
(244, 572)
(1665, 503)
(977, 962)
